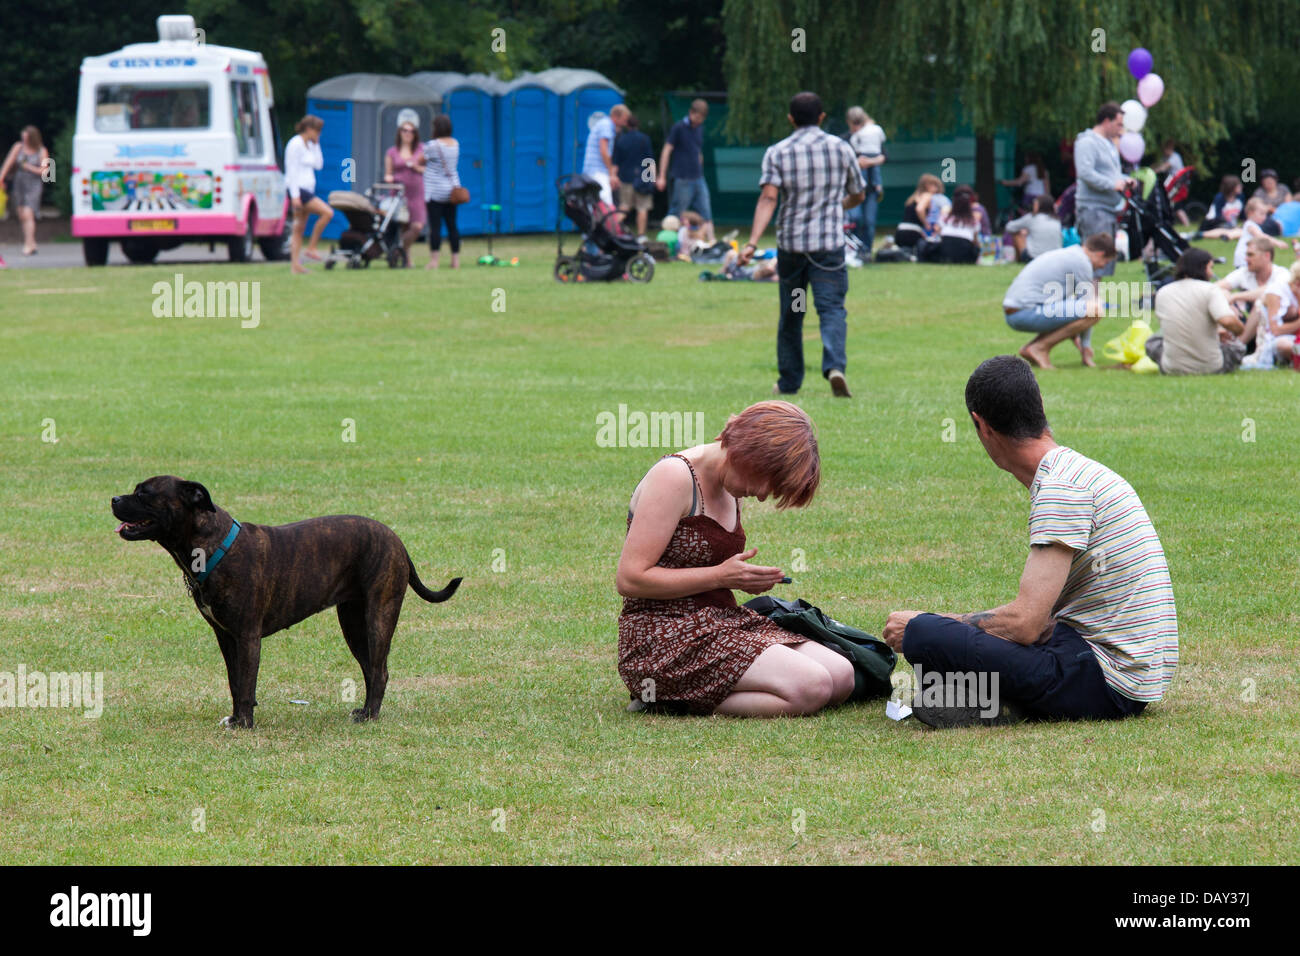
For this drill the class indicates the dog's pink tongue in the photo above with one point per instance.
(120, 527)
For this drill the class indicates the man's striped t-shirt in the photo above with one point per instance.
(1118, 594)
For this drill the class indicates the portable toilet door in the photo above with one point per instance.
(528, 133)
(470, 103)
(366, 107)
(582, 93)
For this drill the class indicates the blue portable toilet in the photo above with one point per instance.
(470, 100)
(528, 151)
(582, 93)
(360, 112)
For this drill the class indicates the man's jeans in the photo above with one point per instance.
(1058, 679)
(829, 278)
(863, 217)
(1091, 220)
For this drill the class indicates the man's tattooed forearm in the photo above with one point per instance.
(978, 619)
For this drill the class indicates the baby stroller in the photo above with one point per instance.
(605, 251)
(375, 222)
(1151, 220)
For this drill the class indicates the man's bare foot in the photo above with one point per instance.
(1036, 356)
(313, 254)
(300, 270)
(1085, 352)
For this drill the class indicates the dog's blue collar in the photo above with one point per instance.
(220, 553)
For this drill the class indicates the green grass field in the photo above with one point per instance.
(504, 737)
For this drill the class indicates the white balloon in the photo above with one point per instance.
(1135, 116)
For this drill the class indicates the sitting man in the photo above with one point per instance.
(1093, 632)
(1198, 328)
(1054, 298)
(1259, 287)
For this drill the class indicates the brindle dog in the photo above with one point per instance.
(271, 578)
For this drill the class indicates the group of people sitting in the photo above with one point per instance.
(936, 229)
(1249, 319)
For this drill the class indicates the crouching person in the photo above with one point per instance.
(1092, 633)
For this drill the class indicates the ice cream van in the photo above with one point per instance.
(176, 142)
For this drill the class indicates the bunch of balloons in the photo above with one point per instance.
(1150, 87)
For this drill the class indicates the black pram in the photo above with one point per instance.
(605, 251)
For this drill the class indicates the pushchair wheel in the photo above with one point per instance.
(641, 267)
(566, 269)
(329, 264)
(396, 258)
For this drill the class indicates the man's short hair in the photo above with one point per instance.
(1004, 392)
(618, 109)
(700, 106)
(1108, 112)
(1101, 242)
(1262, 244)
(806, 108)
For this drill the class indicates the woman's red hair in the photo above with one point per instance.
(776, 441)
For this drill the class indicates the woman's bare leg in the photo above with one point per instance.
(28, 218)
(295, 242)
(323, 216)
(780, 682)
(837, 665)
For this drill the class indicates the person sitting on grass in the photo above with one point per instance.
(690, 237)
(1252, 227)
(683, 643)
(915, 224)
(1093, 632)
(668, 234)
(1289, 327)
(1038, 232)
(1260, 288)
(958, 232)
(1054, 297)
(1198, 328)
(1224, 210)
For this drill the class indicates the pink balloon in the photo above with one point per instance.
(1150, 89)
(1132, 146)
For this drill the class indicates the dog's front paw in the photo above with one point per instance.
(360, 715)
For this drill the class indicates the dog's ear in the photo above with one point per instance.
(196, 496)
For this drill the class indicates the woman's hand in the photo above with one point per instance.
(750, 578)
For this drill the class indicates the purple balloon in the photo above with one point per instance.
(1139, 62)
(1150, 89)
(1132, 146)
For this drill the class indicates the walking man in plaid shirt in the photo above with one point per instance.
(816, 177)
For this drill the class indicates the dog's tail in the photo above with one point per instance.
(433, 597)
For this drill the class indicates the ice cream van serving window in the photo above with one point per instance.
(121, 107)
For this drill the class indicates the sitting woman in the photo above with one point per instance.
(683, 643)
(1038, 232)
(1224, 210)
(959, 235)
(914, 226)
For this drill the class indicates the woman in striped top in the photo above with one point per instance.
(440, 178)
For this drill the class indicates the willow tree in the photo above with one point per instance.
(1040, 68)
